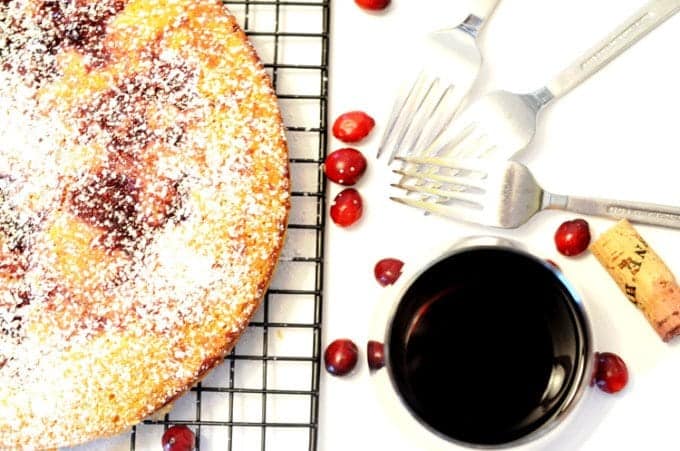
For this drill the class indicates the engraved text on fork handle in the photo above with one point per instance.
(640, 212)
(650, 16)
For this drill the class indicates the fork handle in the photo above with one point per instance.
(480, 11)
(633, 29)
(641, 212)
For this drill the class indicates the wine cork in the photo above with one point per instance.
(642, 276)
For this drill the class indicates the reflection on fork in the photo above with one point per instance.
(500, 193)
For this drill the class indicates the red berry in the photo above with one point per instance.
(387, 271)
(375, 353)
(341, 356)
(353, 126)
(345, 166)
(611, 373)
(572, 237)
(373, 5)
(178, 438)
(347, 207)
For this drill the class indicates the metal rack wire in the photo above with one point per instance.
(265, 396)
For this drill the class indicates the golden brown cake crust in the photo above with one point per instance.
(144, 192)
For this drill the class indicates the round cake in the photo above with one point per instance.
(144, 195)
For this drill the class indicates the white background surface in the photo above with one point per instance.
(617, 135)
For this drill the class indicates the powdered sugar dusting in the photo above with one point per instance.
(143, 197)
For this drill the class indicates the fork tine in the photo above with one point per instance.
(419, 116)
(434, 149)
(446, 195)
(399, 105)
(458, 211)
(410, 117)
(447, 141)
(440, 120)
(478, 146)
(469, 148)
(467, 144)
(457, 180)
(425, 114)
(461, 164)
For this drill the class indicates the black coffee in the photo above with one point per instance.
(485, 346)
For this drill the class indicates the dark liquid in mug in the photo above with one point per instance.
(485, 345)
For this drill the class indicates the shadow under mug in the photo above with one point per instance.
(488, 346)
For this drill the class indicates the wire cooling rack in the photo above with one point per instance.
(265, 396)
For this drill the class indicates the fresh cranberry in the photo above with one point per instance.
(387, 271)
(611, 373)
(353, 126)
(347, 207)
(375, 353)
(572, 237)
(341, 356)
(178, 438)
(345, 166)
(373, 5)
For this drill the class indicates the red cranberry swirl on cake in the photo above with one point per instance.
(144, 194)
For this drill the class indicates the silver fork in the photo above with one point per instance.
(504, 193)
(435, 96)
(501, 123)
